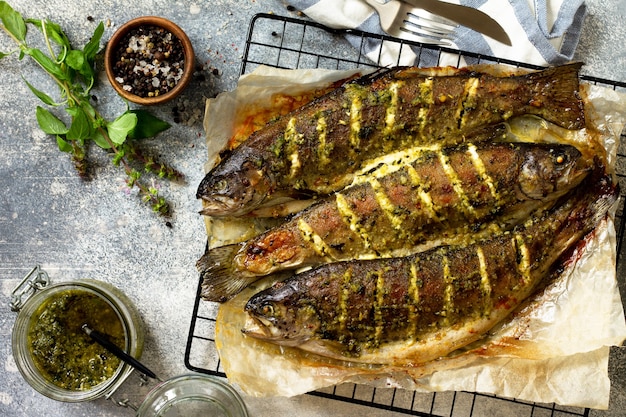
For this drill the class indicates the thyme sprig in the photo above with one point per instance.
(73, 71)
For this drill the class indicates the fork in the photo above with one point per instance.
(404, 21)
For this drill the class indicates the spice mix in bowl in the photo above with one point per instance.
(149, 60)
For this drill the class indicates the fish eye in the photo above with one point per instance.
(560, 158)
(267, 309)
(221, 185)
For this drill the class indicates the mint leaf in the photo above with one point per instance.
(75, 59)
(63, 145)
(40, 94)
(48, 64)
(121, 127)
(12, 21)
(92, 47)
(52, 31)
(80, 128)
(148, 125)
(49, 123)
(55, 33)
(100, 140)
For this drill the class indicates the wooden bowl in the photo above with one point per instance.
(110, 60)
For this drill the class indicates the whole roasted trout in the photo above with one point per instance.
(317, 148)
(411, 199)
(417, 308)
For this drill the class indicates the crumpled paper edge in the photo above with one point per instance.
(564, 371)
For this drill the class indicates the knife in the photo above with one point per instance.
(465, 16)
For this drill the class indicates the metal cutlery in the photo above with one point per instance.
(432, 21)
(465, 16)
(405, 21)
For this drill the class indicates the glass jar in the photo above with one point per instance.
(39, 294)
(193, 395)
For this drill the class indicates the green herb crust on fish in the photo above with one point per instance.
(423, 196)
(317, 148)
(421, 307)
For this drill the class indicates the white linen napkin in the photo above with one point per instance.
(542, 32)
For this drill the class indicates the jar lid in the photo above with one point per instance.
(193, 395)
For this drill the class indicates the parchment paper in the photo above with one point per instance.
(553, 349)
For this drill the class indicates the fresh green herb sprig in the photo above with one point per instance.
(73, 72)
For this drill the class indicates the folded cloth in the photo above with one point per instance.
(542, 32)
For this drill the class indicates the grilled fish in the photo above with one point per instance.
(316, 149)
(424, 306)
(409, 200)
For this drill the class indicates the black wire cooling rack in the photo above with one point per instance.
(289, 43)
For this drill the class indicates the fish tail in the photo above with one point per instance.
(557, 95)
(220, 278)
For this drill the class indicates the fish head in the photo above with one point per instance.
(552, 170)
(236, 186)
(279, 315)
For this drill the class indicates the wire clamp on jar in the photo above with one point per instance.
(142, 381)
(35, 280)
(123, 403)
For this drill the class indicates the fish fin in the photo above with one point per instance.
(220, 278)
(369, 78)
(492, 133)
(282, 209)
(558, 90)
(590, 201)
(604, 193)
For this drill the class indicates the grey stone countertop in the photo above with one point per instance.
(76, 229)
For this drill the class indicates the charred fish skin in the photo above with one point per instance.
(317, 148)
(430, 303)
(425, 195)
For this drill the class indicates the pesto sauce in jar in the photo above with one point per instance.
(62, 352)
